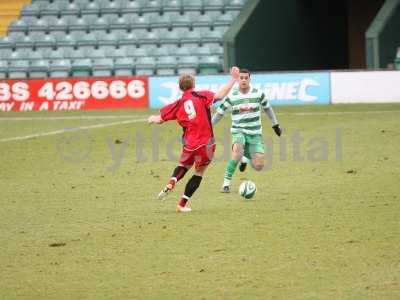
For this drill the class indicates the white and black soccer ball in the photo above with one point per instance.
(247, 189)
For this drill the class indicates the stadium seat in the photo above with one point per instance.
(132, 7)
(161, 51)
(209, 65)
(187, 64)
(60, 68)
(145, 65)
(39, 69)
(136, 52)
(5, 54)
(81, 67)
(209, 5)
(172, 5)
(192, 36)
(192, 5)
(30, 10)
(176, 19)
(234, 4)
(141, 22)
(47, 41)
(226, 19)
(124, 21)
(152, 6)
(163, 21)
(115, 53)
(18, 25)
(7, 43)
(203, 20)
(3, 69)
(166, 65)
(17, 69)
(124, 66)
(103, 67)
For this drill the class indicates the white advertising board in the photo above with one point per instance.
(365, 87)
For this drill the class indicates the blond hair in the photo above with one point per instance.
(186, 82)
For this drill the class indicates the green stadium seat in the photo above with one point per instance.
(234, 4)
(136, 52)
(132, 7)
(86, 39)
(141, 22)
(176, 19)
(81, 67)
(26, 41)
(129, 38)
(95, 54)
(160, 51)
(192, 5)
(3, 69)
(192, 36)
(166, 65)
(172, 5)
(145, 65)
(57, 54)
(124, 66)
(30, 10)
(99, 24)
(110, 7)
(209, 65)
(82, 4)
(18, 69)
(79, 24)
(192, 15)
(115, 54)
(91, 8)
(158, 21)
(18, 26)
(72, 53)
(152, 6)
(226, 19)
(103, 67)
(5, 54)
(39, 69)
(187, 64)
(65, 39)
(183, 51)
(47, 41)
(7, 42)
(203, 20)
(209, 5)
(60, 68)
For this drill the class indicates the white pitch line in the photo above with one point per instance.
(67, 118)
(31, 136)
(131, 117)
(338, 113)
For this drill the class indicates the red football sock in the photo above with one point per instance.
(183, 202)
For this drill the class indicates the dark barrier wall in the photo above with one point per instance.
(361, 13)
(294, 35)
(389, 40)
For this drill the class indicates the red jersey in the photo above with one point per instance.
(192, 112)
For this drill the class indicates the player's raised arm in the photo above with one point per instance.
(225, 89)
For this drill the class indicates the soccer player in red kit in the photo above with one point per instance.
(192, 112)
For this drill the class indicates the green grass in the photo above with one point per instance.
(324, 229)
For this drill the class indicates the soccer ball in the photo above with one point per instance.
(247, 189)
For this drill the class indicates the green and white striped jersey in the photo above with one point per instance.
(246, 110)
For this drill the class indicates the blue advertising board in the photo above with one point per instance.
(279, 88)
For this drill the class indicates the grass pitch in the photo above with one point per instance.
(79, 219)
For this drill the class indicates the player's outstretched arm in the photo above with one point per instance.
(155, 120)
(275, 125)
(224, 91)
(216, 118)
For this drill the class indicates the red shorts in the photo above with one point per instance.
(200, 157)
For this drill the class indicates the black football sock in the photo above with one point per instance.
(192, 185)
(179, 172)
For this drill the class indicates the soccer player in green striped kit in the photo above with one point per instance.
(245, 103)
